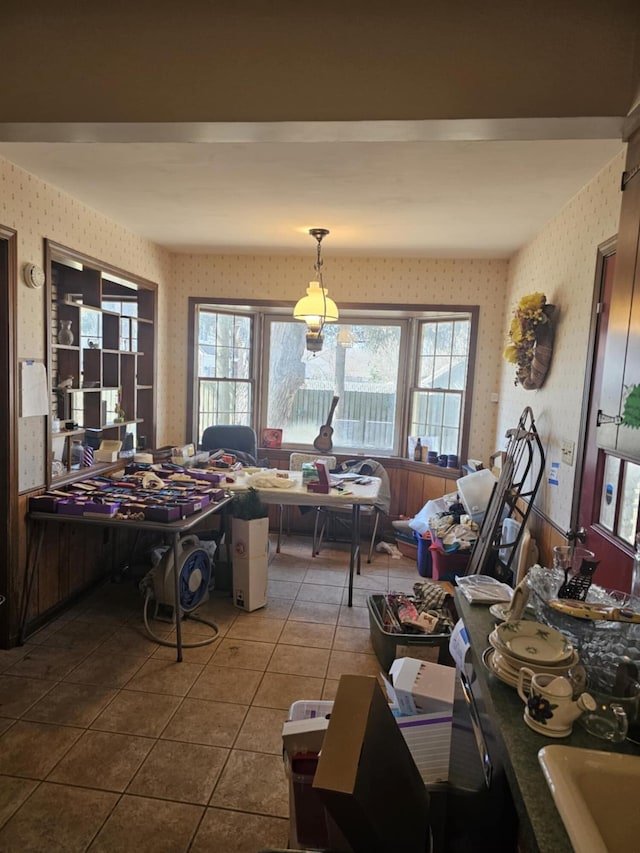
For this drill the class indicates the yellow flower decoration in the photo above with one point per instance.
(532, 304)
(528, 315)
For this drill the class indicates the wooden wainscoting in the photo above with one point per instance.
(72, 560)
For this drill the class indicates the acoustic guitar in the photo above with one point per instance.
(323, 441)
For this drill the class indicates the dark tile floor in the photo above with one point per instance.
(108, 744)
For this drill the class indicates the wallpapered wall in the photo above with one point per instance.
(362, 280)
(561, 263)
(37, 210)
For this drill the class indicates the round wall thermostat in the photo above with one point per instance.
(33, 275)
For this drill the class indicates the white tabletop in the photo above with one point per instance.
(298, 495)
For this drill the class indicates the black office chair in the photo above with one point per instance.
(234, 438)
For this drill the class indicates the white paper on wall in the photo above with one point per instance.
(33, 389)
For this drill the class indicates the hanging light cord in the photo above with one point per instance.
(318, 269)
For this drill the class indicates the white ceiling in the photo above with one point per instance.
(399, 195)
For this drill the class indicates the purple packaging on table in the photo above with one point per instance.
(87, 508)
(162, 512)
(209, 476)
(188, 506)
(43, 503)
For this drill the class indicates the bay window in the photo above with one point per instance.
(397, 373)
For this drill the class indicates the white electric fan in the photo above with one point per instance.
(194, 579)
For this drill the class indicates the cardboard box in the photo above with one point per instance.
(421, 687)
(366, 776)
(250, 538)
(108, 451)
(250, 582)
(423, 692)
(428, 737)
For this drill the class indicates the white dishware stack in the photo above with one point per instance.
(524, 643)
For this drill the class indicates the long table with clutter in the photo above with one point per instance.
(164, 498)
(174, 499)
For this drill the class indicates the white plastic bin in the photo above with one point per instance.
(475, 493)
(303, 710)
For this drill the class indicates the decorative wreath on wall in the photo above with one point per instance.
(531, 335)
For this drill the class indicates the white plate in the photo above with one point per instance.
(514, 664)
(505, 677)
(500, 611)
(534, 642)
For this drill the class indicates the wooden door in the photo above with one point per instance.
(609, 487)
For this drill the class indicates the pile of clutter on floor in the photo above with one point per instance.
(427, 611)
(448, 523)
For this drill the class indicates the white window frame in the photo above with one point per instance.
(409, 318)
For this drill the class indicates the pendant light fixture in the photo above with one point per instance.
(316, 308)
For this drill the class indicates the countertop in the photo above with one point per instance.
(541, 827)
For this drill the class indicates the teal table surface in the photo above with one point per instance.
(541, 827)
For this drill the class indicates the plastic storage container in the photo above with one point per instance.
(385, 643)
(406, 544)
(424, 559)
(475, 493)
(446, 565)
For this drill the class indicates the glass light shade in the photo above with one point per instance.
(316, 308)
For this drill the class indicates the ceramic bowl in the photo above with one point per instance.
(534, 642)
(515, 663)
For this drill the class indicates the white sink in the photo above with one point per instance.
(596, 794)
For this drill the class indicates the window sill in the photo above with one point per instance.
(282, 454)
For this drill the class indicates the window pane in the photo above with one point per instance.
(444, 338)
(438, 415)
(437, 412)
(428, 346)
(441, 371)
(449, 341)
(90, 329)
(224, 345)
(222, 402)
(223, 361)
(461, 329)
(425, 377)
(362, 371)
(458, 376)
(609, 492)
(629, 509)
(125, 307)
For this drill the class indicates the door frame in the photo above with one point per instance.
(605, 250)
(9, 550)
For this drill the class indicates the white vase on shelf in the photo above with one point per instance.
(65, 334)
